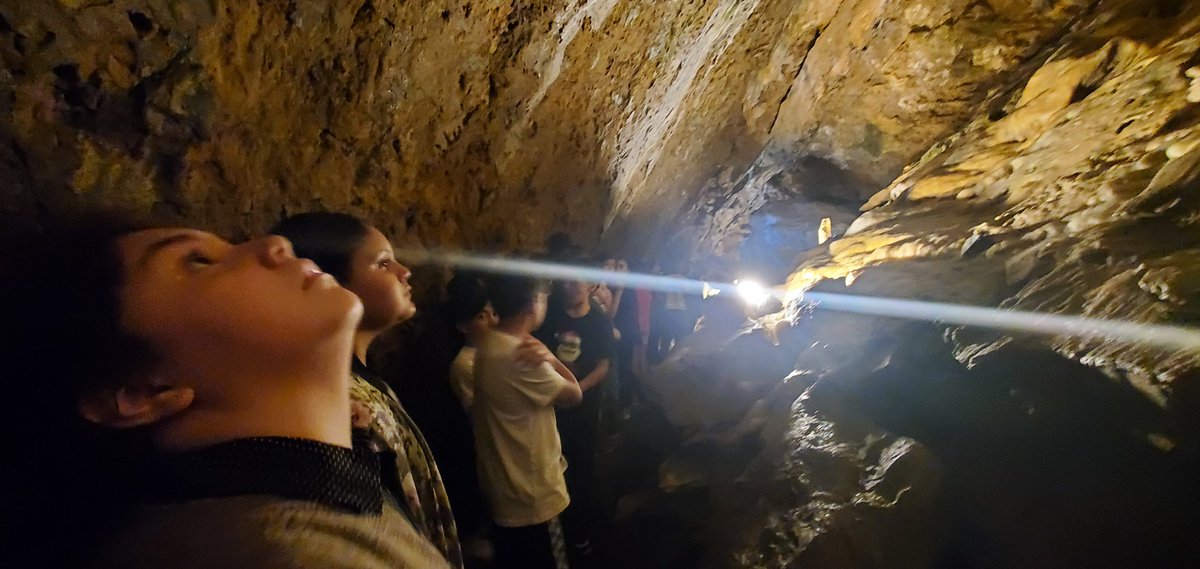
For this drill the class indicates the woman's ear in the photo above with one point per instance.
(135, 405)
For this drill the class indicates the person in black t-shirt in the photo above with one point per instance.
(581, 336)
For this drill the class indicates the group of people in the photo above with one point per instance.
(181, 401)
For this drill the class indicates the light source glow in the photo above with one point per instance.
(753, 292)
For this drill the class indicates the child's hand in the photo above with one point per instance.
(533, 353)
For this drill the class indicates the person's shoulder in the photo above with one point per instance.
(166, 535)
(494, 341)
(496, 347)
(252, 532)
(466, 354)
(312, 536)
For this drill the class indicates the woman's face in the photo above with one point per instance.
(206, 306)
(381, 282)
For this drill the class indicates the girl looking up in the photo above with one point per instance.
(361, 258)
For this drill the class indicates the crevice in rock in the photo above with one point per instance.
(365, 12)
(792, 80)
(141, 23)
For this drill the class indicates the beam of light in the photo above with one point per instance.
(1162, 336)
(557, 271)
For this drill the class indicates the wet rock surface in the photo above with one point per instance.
(860, 496)
(891, 453)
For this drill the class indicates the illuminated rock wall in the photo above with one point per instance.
(1072, 189)
(1077, 187)
(487, 124)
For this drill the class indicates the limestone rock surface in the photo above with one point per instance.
(1080, 186)
(486, 124)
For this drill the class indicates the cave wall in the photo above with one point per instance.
(485, 124)
(859, 88)
(229, 114)
(1050, 158)
(1071, 189)
(1077, 188)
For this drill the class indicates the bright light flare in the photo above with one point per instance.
(753, 293)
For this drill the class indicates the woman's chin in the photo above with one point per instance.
(403, 315)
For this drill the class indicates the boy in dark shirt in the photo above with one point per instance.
(581, 336)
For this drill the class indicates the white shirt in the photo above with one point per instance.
(516, 436)
(462, 376)
(675, 300)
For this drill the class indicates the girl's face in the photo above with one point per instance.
(381, 282)
(209, 308)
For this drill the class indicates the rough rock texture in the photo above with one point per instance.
(445, 121)
(1068, 189)
(852, 92)
(864, 497)
(227, 114)
(830, 486)
(1078, 184)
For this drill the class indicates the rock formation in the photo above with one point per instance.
(1070, 190)
(443, 120)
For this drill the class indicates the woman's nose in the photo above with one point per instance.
(274, 250)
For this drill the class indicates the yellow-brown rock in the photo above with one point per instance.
(1087, 186)
(484, 124)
